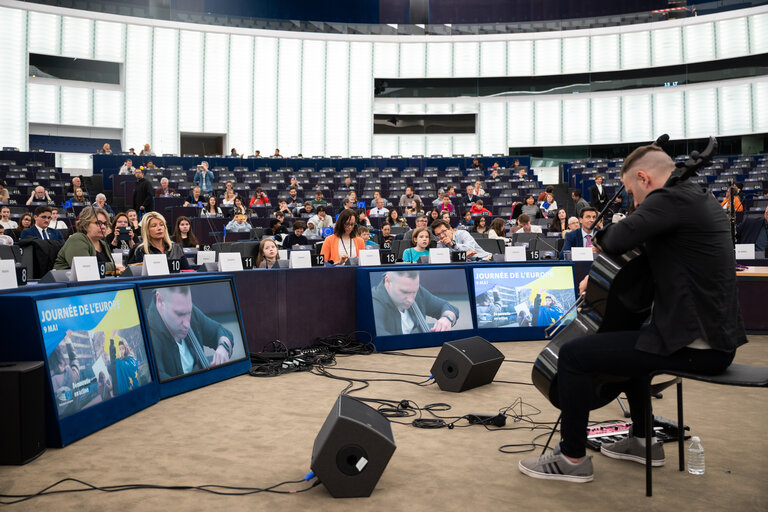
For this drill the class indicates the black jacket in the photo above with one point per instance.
(687, 239)
(143, 195)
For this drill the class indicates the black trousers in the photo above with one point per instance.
(614, 353)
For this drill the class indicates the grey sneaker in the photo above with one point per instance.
(555, 466)
(633, 448)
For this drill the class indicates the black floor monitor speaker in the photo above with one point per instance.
(22, 402)
(466, 364)
(352, 449)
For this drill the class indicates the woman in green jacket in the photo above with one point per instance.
(92, 225)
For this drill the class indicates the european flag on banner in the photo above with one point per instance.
(67, 203)
(127, 374)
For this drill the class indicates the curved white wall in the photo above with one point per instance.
(313, 93)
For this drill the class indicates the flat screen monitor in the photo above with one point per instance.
(94, 348)
(195, 332)
(414, 306)
(520, 301)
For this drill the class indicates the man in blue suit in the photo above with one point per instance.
(583, 236)
(41, 229)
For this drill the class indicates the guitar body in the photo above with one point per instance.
(619, 297)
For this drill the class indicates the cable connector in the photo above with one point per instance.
(309, 476)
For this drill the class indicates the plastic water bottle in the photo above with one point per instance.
(696, 457)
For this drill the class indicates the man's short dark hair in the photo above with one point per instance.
(42, 209)
(320, 208)
(588, 209)
(577, 194)
(421, 216)
(439, 222)
(299, 224)
(273, 223)
(550, 189)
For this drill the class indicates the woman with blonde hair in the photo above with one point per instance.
(155, 240)
(92, 225)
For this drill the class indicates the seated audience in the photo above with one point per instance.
(282, 207)
(321, 219)
(476, 164)
(481, 225)
(25, 222)
(268, 254)
(147, 151)
(394, 219)
(295, 183)
(294, 199)
(445, 216)
(196, 198)
(344, 242)
(376, 196)
(530, 208)
(478, 188)
(573, 224)
(211, 208)
(133, 220)
(78, 198)
(164, 190)
(4, 194)
(123, 236)
(101, 202)
(276, 227)
(414, 208)
(470, 197)
(238, 208)
(239, 224)
(385, 234)
(305, 211)
(297, 237)
(466, 221)
(458, 241)
(40, 229)
(408, 198)
(182, 233)
(379, 210)
(559, 222)
(5, 218)
(446, 205)
(479, 209)
(229, 197)
(92, 224)
(434, 215)
(106, 149)
(39, 195)
(364, 232)
(726, 203)
(259, 198)
(362, 219)
(420, 240)
(319, 200)
(312, 231)
(127, 167)
(497, 231)
(524, 225)
(5, 239)
(548, 205)
(156, 240)
(233, 152)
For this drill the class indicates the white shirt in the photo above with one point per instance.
(9, 224)
(349, 249)
(406, 322)
(187, 361)
(126, 170)
(378, 212)
(327, 222)
(43, 233)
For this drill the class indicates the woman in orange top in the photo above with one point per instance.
(344, 242)
(726, 203)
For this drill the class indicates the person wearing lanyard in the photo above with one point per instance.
(344, 242)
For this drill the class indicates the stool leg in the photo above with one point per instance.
(648, 439)
(680, 425)
(554, 429)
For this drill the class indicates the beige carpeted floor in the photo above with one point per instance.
(259, 431)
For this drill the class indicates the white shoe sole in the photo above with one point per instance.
(552, 476)
(656, 463)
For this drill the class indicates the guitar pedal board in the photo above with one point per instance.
(605, 433)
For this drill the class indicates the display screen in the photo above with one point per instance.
(193, 327)
(522, 296)
(420, 301)
(94, 346)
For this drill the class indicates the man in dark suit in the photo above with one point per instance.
(143, 194)
(40, 229)
(583, 236)
(695, 323)
(754, 230)
(598, 197)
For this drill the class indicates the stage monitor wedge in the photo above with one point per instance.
(466, 364)
(352, 449)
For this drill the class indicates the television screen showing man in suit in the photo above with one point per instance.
(193, 327)
(420, 301)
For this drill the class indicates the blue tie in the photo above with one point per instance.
(45, 234)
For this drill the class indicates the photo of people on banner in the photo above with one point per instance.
(522, 296)
(95, 348)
